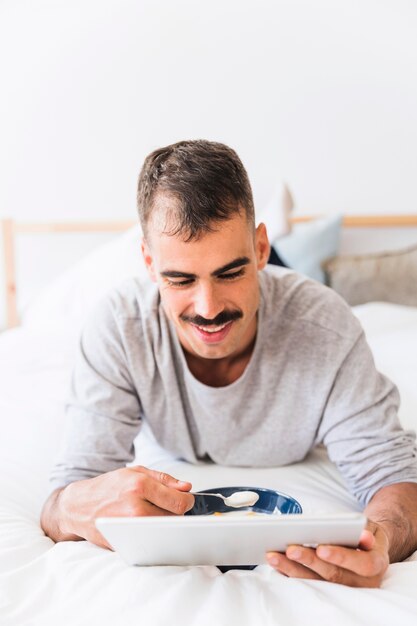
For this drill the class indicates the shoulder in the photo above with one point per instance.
(294, 300)
(133, 300)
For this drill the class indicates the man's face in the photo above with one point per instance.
(209, 287)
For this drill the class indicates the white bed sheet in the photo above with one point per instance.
(78, 583)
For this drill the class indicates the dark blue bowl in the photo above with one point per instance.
(270, 501)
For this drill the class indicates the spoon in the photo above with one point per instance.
(236, 499)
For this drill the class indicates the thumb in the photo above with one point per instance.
(164, 478)
(366, 540)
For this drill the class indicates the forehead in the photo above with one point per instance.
(229, 239)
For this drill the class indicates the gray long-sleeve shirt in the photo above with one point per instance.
(311, 379)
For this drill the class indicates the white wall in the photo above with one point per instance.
(321, 93)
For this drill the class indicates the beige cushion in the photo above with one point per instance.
(384, 277)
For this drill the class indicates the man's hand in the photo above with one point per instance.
(364, 566)
(70, 513)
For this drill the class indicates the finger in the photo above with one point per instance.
(166, 497)
(294, 569)
(367, 540)
(289, 568)
(366, 563)
(164, 478)
(326, 571)
(150, 509)
(368, 577)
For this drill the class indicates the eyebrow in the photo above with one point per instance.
(239, 262)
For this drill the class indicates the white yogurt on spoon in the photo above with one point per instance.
(236, 500)
(241, 498)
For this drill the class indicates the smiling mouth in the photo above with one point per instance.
(212, 334)
(214, 329)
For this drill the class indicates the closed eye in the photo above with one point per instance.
(189, 281)
(181, 283)
(232, 275)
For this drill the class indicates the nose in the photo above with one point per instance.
(207, 301)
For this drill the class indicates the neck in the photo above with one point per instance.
(224, 371)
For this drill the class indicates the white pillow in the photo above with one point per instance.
(276, 214)
(68, 299)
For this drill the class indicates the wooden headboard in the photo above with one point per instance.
(10, 229)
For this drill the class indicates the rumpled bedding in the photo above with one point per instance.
(77, 583)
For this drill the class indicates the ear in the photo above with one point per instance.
(262, 246)
(147, 257)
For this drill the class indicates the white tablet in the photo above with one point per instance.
(223, 539)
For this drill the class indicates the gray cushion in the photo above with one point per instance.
(384, 277)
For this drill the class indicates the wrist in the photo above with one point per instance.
(397, 533)
(65, 515)
(393, 508)
(54, 518)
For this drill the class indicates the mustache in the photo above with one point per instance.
(222, 318)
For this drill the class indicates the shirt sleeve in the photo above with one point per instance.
(361, 429)
(103, 411)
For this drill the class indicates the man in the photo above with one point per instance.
(226, 359)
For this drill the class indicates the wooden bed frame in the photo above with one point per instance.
(10, 229)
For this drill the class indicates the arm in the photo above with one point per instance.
(102, 409)
(103, 416)
(364, 438)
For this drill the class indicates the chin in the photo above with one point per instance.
(211, 352)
